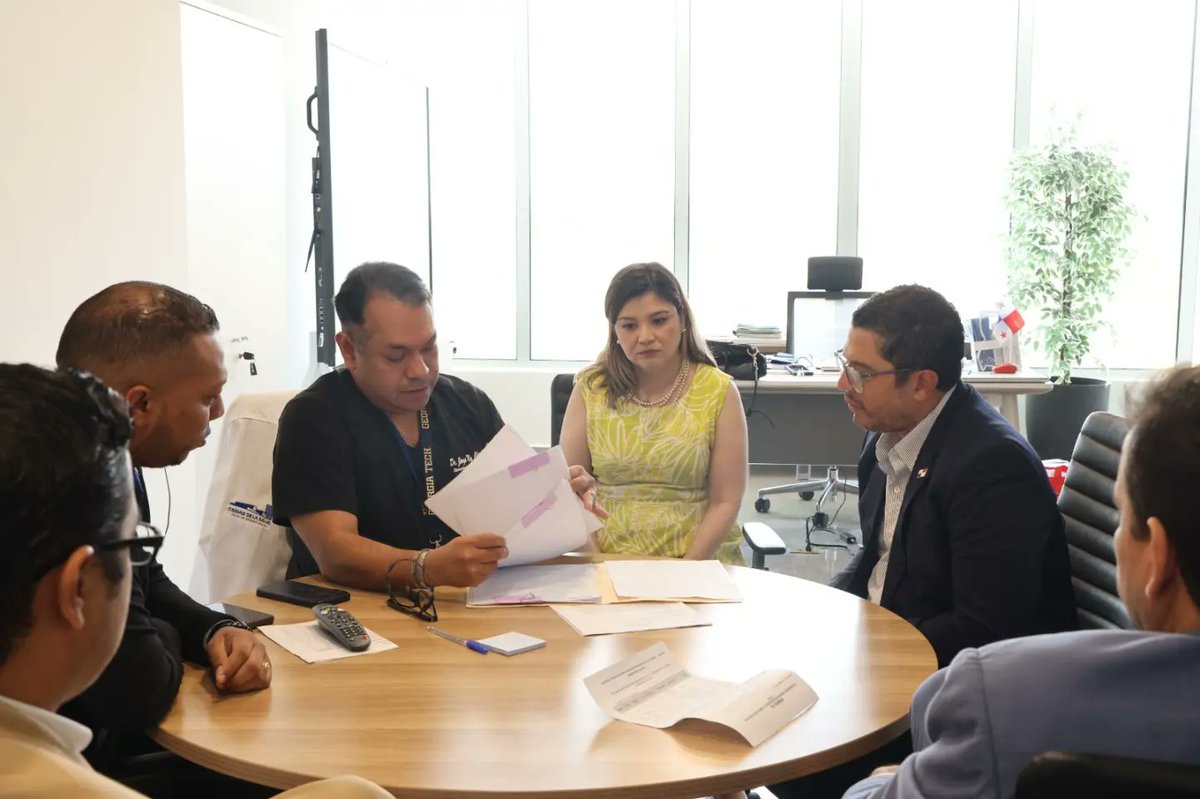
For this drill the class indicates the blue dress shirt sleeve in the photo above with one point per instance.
(952, 740)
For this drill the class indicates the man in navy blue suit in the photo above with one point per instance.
(961, 531)
(960, 528)
(978, 723)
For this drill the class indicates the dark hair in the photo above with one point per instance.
(369, 279)
(920, 330)
(612, 370)
(1163, 458)
(64, 481)
(129, 322)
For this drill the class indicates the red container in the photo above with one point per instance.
(1056, 471)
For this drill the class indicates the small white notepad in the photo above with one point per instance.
(512, 643)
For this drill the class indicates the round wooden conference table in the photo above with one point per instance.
(434, 719)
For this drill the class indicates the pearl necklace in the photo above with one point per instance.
(671, 395)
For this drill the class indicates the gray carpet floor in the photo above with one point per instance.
(788, 515)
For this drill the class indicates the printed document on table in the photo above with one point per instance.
(520, 494)
(538, 585)
(672, 580)
(608, 619)
(652, 689)
(311, 644)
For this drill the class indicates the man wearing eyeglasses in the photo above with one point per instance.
(71, 541)
(961, 531)
(157, 347)
(960, 528)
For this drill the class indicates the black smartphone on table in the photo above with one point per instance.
(303, 594)
(248, 617)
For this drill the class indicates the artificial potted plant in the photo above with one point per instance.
(1067, 242)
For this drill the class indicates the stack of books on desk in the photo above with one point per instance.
(767, 338)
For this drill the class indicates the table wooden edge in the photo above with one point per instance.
(746, 779)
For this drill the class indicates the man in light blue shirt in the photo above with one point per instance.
(977, 723)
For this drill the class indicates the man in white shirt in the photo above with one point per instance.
(70, 536)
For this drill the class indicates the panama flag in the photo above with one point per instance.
(1010, 322)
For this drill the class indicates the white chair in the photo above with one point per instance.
(243, 546)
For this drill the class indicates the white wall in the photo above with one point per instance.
(92, 138)
(522, 396)
(93, 187)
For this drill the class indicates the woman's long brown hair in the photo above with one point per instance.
(613, 371)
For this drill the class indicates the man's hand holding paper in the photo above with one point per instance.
(529, 497)
(465, 561)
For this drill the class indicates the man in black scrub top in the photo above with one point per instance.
(360, 450)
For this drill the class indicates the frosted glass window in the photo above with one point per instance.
(379, 166)
(938, 80)
(602, 134)
(1125, 68)
(465, 52)
(764, 154)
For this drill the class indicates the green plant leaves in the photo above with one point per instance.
(1067, 242)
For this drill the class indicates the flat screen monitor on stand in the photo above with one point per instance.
(818, 320)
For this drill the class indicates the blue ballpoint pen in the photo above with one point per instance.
(474, 646)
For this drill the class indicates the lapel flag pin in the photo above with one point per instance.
(922, 473)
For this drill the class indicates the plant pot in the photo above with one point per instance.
(1053, 420)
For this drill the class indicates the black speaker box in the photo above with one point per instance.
(835, 273)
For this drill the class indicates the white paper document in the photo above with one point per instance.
(672, 579)
(311, 644)
(608, 619)
(521, 494)
(538, 585)
(652, 689)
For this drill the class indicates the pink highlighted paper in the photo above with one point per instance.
(523, 495)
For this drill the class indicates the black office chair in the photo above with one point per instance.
(1091, 519)
(761, 538)
(1055, 775)
(560, 394)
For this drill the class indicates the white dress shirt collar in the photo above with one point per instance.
(897, 453)
(70, 736)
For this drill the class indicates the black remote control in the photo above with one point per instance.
(342, 626)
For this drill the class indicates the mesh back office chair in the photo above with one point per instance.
(1091, 519)
(761, 539)
(838, 276)
(1069, 774)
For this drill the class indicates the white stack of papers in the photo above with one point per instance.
(652, 689)
(311, 644)
(523, 495)
(609, 619)
(672, 580)
(538, 585)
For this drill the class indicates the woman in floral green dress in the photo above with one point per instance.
(660, 427)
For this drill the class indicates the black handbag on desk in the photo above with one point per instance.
(739, 361)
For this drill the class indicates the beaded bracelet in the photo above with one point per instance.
(418, 571)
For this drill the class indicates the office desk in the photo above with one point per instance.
(802, 418)
(434, 719)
